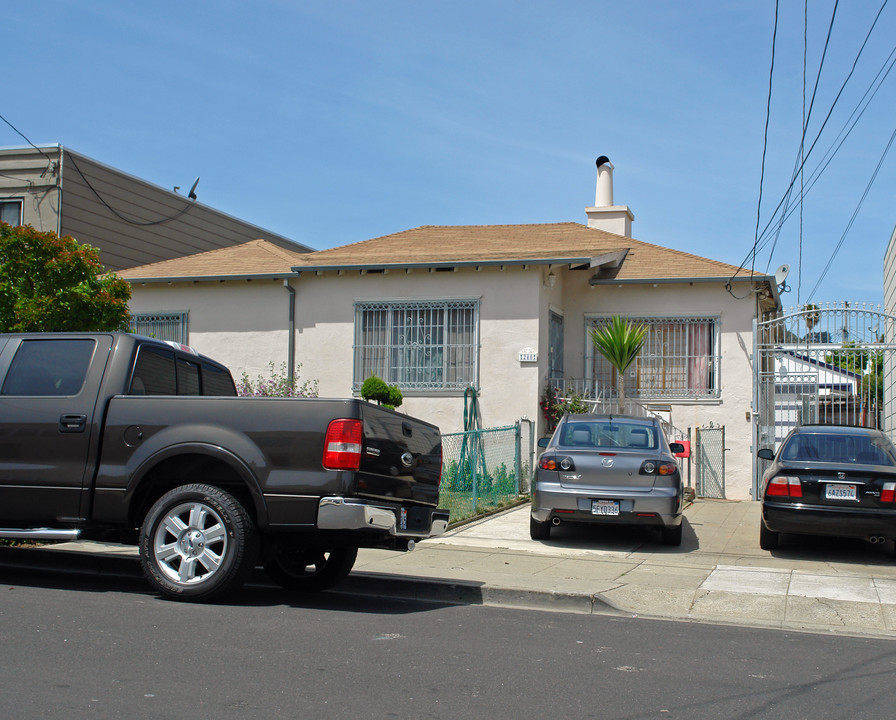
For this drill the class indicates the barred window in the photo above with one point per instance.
(162, 326)
(680, 358)
(432, 345)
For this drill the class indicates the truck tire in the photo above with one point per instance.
(197, 543)
(308, 569)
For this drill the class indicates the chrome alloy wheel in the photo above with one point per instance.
(190, 543)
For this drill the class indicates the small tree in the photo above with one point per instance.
(50, 283)
(620, 342)
(377, 390)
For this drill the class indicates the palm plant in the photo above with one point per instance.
(620, 342)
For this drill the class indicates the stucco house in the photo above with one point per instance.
(505, 308)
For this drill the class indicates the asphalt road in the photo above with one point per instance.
(103, 647)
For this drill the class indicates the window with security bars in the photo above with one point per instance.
(419, 346)
(162, 326)
(680, 358)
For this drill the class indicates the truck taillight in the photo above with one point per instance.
(783, 486)
(342, 447)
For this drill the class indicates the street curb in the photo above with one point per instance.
(455, 592)
(77, 562)
(381, 585)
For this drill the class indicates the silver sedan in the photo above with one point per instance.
(608, 469)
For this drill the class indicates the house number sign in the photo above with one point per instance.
(528, 355)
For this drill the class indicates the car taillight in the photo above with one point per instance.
(650, 467)
(784, 487)
(342, 447)
(552, 462)
(888, 492)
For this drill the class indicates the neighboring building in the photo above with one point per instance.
(889, 382)
(131, 222)
(504, 308)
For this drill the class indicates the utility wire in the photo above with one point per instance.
(848, 127)
(852, 219)
(121, 217)
(19, 132)
(756, 245)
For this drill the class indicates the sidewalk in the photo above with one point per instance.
(719, 574)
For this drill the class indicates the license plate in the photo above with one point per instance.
(604, 507)
(840, 492)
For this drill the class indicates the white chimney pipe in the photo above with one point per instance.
(603, 196)
(605, 215)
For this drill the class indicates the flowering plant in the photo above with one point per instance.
(277, 384)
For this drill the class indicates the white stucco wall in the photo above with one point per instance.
(244, 325)
(509, 302)
(681, 299)
(241, 324)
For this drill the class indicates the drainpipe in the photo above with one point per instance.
(291, 343)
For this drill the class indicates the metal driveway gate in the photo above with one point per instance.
(709, 448)
(833, 364)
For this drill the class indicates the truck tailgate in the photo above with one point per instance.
(401, 457)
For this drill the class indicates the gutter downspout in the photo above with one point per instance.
(291, 343)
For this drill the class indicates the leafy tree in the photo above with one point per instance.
(620, 342)
(863, 361)
(50, 283)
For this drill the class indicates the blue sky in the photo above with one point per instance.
(335, 122)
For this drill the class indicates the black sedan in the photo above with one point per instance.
(830, 480)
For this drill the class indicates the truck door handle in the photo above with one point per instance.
(72, 423)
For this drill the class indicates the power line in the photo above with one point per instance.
(121, 217)
(19, 132)
(852, 219)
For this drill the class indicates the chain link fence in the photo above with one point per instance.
(484, 469)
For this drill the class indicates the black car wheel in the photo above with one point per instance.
(310, 570)
(197, 543)
(768, 539)
(539, 530)
(671, 535)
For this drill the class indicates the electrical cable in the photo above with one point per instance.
(49, 159)
(758, 243)
(854, 215)
(121, 217)
(835, 146)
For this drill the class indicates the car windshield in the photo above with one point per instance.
(601, 434)
(839, 448)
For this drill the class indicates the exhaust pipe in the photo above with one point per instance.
(875, 539)
(555, 521)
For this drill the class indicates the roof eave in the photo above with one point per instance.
(444, 264)
(209, 278)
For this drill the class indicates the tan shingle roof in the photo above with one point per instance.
(516, 244)
(429, 245)
(253, 258)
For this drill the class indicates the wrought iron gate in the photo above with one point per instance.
(709, 449)
(833, 364)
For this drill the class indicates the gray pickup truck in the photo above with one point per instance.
(118, 437)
